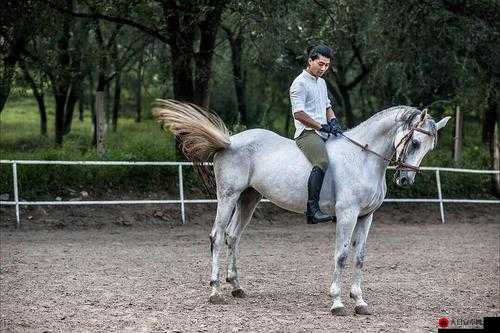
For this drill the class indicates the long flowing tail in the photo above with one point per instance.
(200, 133)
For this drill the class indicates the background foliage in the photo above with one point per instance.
(238, 58)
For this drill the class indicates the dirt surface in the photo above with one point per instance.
(135, 269)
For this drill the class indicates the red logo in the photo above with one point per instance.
(443, 322)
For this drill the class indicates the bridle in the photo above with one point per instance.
(404, 142)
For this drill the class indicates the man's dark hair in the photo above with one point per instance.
(313, 52)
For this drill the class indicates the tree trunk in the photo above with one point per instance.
(116, 103)
(496, 159)
(181, 41)
(40, 99)
(488, 125)
(92, 102)
(81, 102)
(9, 66)
(490, 115)
(138, 101)
(118, 87)
(492, 131)
(100, 121)
(82, 39)
(107, 104)
(346, 103)
(337, 98)
(39, 96)
(459, 124)
(76, 75)
(236, 42)
(62, 79)
(287, 124)
(203, 73)
(138, 88)
(60, 100)
(102, 81)
(69, 109)
(100, 112)
(182, 75)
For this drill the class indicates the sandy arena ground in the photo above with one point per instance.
(135, 269)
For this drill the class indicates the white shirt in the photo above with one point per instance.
(309, 94)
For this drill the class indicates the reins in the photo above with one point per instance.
(365, 147)
(405, 141)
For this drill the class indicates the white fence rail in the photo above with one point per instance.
(182, 201)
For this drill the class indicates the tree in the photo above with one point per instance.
(66, 75)
(14, 33)
(235, 36)
(190, 30)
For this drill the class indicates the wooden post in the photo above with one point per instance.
(457, 153)
(496, 157)
(99, 110)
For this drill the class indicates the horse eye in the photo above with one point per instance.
(415, 144)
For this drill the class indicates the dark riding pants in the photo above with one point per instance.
(313, 146)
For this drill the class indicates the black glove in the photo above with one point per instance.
(326, 128)
(335, 126)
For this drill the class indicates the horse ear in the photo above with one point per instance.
(442, 123)
(423, 115)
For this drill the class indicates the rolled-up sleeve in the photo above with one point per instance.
(297, 96)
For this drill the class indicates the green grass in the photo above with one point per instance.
(20, 139)
(145, 141)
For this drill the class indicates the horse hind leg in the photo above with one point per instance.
(225, 208)
(241, 217)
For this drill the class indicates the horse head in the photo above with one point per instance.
(414, 139)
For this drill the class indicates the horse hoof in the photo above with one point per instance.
(238, 293)
(362, 310)
(216, 299)
(338, 311)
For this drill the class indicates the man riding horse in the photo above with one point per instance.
(314, 121)
(258, 163)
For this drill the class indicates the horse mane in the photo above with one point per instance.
(396, 112)
(409, 116)
(406, 115)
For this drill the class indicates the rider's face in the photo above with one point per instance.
(319, 66)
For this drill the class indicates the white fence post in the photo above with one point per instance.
(16, 194)
(181, 194)
(440, 196)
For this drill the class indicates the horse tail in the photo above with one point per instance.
(200, 133)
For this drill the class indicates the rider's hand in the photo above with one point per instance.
(326, 128)
(335, 126)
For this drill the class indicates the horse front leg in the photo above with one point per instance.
(359, 244)
(346, 220)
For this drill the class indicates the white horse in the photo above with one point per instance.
(258, 163)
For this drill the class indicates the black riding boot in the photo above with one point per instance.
(314, 214)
